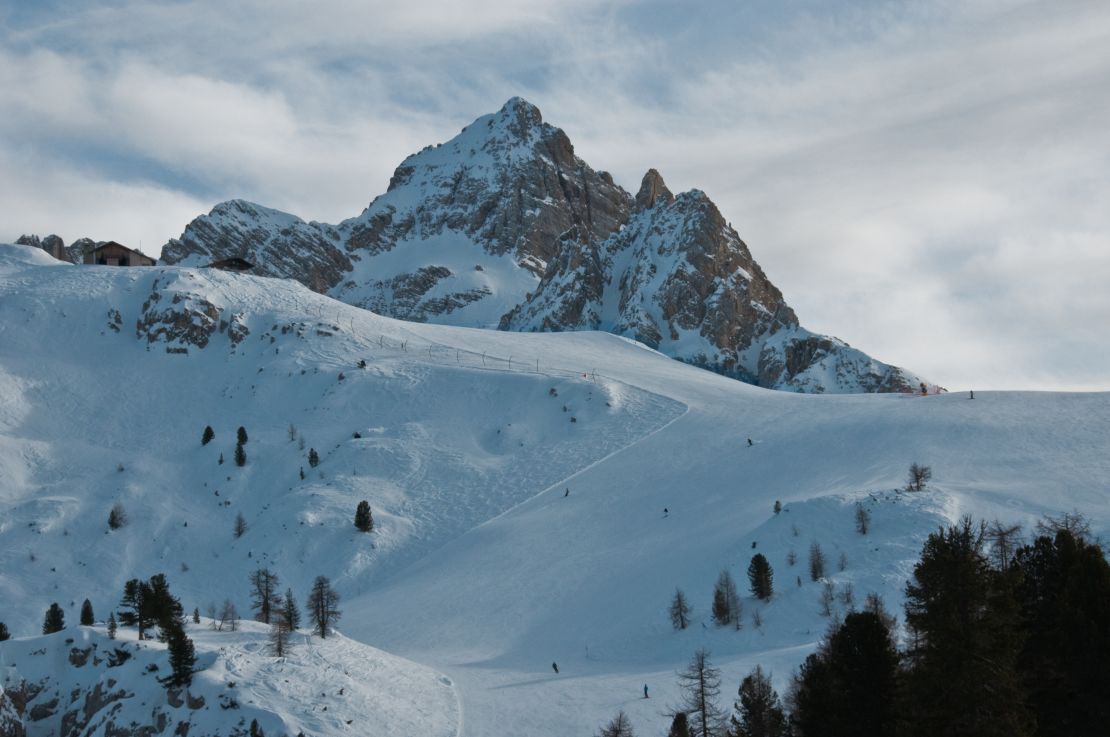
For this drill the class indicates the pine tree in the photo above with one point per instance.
(117, 518)
(761, 577)
(221, 461)
(208, 435)
(279, 637)
(135, 606)
(758, 711)
(196, 615)
(323, 602)
(363, 519)
(165, 609)
(255, 730)
(619, 726)
(726, 601)
(182, 657)
(679, 726)
(240, 527)
(816, 562)
(241, 435)
(701, 686)
(964, 644)
(240, 455)
(680, 611)
(290, 612)
(112, 626)
(4, 634)
(264, 595)
(54, 621)
(313, 458)
(87, 619)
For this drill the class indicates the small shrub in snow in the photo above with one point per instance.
(240, 455)
(863, 519)
(117, 518)
(208, 435)
(240, 528)
(791, 558)
(816, 562)
(842, 561)
(364, 521)
(313, 458)
(828, 595)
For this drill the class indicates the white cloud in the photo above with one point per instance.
(927, 181)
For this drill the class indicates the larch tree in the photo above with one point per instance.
(701, 687)
(680, 611)
(264, 594)
(323, 606)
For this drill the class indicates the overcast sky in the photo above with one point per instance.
(928, 180)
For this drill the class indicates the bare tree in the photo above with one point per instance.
(816, 562)
(1004, 540)
(229, 617)
(264, 595)
(680, 611)
(279, 637)
(117, 518)
(619, 726)
(240, 528)
(701, 687)
(828, 595)
(791, 558)
(919, 476)
(726, 601)
(323, 603)
(863, 519)
(1073, 522)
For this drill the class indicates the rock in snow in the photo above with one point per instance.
(504, 226)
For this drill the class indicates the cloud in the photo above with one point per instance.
(927, 180)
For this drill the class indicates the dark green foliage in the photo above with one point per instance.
(758, 711)
(117, 518)
(208, 435)
(54, 621)
(313, 458)
(680, 611)
(182, 657)
(812, 698)
(961, 615)
(680, 726)
(221, 461)
(112, 626)
(87, 613)
(1065, 612)
(761, 577)
(4, 634)
(149, 603)
(241, 436)
(255, 730)
(290, 612)
(323, 603)
(240, 455)
(265, 599)
(363, 519)
(701, 686)
(196, 615)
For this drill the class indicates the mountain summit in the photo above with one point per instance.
(505, 226)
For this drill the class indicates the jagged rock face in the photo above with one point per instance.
(505, 226)
(278, 244)
(11, 723)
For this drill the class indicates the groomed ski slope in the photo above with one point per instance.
(482, 565)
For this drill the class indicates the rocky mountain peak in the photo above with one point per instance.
(519, 116)
(652, 190)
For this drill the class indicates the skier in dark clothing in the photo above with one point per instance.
(555, 667)
(749, 442)
(666, 512)
(645, 691)
(972, 394)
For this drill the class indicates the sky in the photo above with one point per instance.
(928, 180)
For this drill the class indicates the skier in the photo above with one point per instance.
(972, 396)
(666, 512)
(645, 691)
(555, 667)
(749, 442)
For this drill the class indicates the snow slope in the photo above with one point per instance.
(510, 532)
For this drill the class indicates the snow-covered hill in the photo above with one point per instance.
(505, 226)
(517, 481)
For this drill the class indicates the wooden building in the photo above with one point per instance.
(116, 254)
(231, 264)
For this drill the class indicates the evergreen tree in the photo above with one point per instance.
(816, 562)
(363, 519)
(255, 730)
(182, 657)
(112, 626)
(758, 711)
(290, 612)
(241, 436)
(761, 577)
(726, 601)
(117, 518)
(208, 435)
(240, 455)
(279, 637)
(964, 644)
(196, 615)
(87, 619)
(221, 461)
(4, 634)
(264, 595)
(1065, 595)
(240, 527)
(313, 458)
(812, 697)
(619, 726)
(323, 602)
(165, 609)
(680, 611)
(680, 726)
(135, 606)
(54, 621)
(701, 686)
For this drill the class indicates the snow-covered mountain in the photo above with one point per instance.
(517, 482)
(504, 226)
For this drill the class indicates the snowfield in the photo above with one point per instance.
(517, 481)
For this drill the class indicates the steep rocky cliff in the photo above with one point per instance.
(505, 226)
